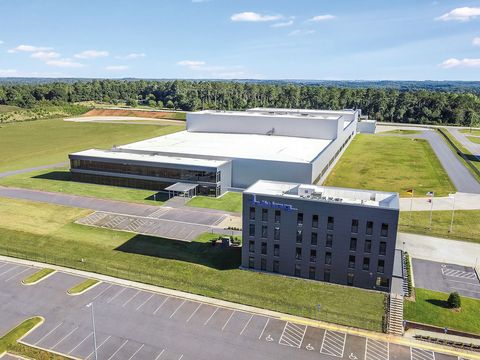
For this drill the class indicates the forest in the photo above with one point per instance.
(392, 104)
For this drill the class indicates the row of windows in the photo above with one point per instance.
(330, 222)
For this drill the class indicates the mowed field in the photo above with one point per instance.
(47, 233)
(43, 142)
(7, 108)
(390, 163)
(172, 115)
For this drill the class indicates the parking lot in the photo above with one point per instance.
(137, 324)
(446, 278)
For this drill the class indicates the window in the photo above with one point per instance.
(354, 226)
(277, 216)
(298, 253)
(251, 246)
(276, 233)
(264, 248)
(351, 262)
(251, 262)
(314, 238)
(350, 278)
(366, 263)
(369, 227)
(311, 272)
(353, 244)
(313, 255)
(252, 213)
(298, 270)
(299, 236)
(326, 275)
(381, 266)
(328, 258)
(315, 221)
(329, 241)
(251, 230)
(276, 250)
(384, 231)
(264, 231)
(330, 223)
(368, 246)
(276, 266)
(300, 219)
(264, 214)
(383, 248)
(263, 264)
(383, 282)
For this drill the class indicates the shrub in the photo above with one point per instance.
(454, 300)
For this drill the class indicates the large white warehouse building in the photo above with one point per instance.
(226, 149)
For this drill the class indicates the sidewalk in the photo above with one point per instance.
(463, 201)
(253, 310)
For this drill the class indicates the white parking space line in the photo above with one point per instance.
(248, 322)
(179, 306)
(99, 346)
(198, 307)
(459, 274)
(46, 335)
(126, 302)
(181, 357)
(464, 282)
(139, 306)
(14, 276)
(101, 292)
(8, 270)
(228, 320)
(161, 353)
(333, 343)
(263, 330)
(420, 354)
(115, 296)
(81, 342)
(136, 352)
(66, 336)
(377, 350)
(159, 306)
(119, 348)
(3, 264)
(292, 335)
(211, 316)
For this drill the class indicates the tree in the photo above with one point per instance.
(132, 102)
(170, 104)
(454, 300)
(160, 104)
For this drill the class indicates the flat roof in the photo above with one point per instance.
(230, 146)
(304, 111)
(152, 158)
(359, 197)
(306, 114)
(181, 187)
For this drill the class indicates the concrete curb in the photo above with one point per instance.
(41, 279)
(84, 290)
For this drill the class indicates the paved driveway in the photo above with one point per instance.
(133, 324)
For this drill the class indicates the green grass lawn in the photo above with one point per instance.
(402, 132)
(390, 163)
(472, 132)
(231, 201)
(59, 180)
(42, 142)
(466, 225)
(474, 139)
(431, 308)
(8, 108)
(45, 232)
(83, 286)
(39, 275)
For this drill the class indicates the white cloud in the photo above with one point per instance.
(476, 41)
(91, 54)
(132, 56)
(45, 55)
(325, 17)
(461, 14)
(116, 68)
(192, 64)
(1, 42)
(8, 72)
(249, 16)
(299, 32)
(454, 63)
(64, 63)
(282, 24)
(29, 48)
(204, 70)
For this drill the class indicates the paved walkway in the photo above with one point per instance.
(463, 201)
(474, 148)
(43, 167)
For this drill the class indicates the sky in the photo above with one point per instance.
(241, 39)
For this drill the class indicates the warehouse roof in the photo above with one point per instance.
(308, 114)
(229, 146)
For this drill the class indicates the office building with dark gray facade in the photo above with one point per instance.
(337, 235)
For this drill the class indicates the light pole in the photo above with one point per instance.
(94, 334)
(453, 211)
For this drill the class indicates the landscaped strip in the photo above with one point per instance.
(431, 308)
(231, 202)
(82, 287)
(474, 139)
(38, 276)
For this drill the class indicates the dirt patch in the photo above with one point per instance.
(137, 113)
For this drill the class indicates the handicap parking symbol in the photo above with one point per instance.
(352, 357)
(269, 338)
(309, 347)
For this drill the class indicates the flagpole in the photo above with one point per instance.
(431, 208)
(411, 206)
(453, 214)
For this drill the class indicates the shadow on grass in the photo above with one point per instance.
(55, 175)
(440, 303)
(160, 196)
(201, 253)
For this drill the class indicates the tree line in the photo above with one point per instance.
(383, 104)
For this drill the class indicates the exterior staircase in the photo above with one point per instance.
(395, 314)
